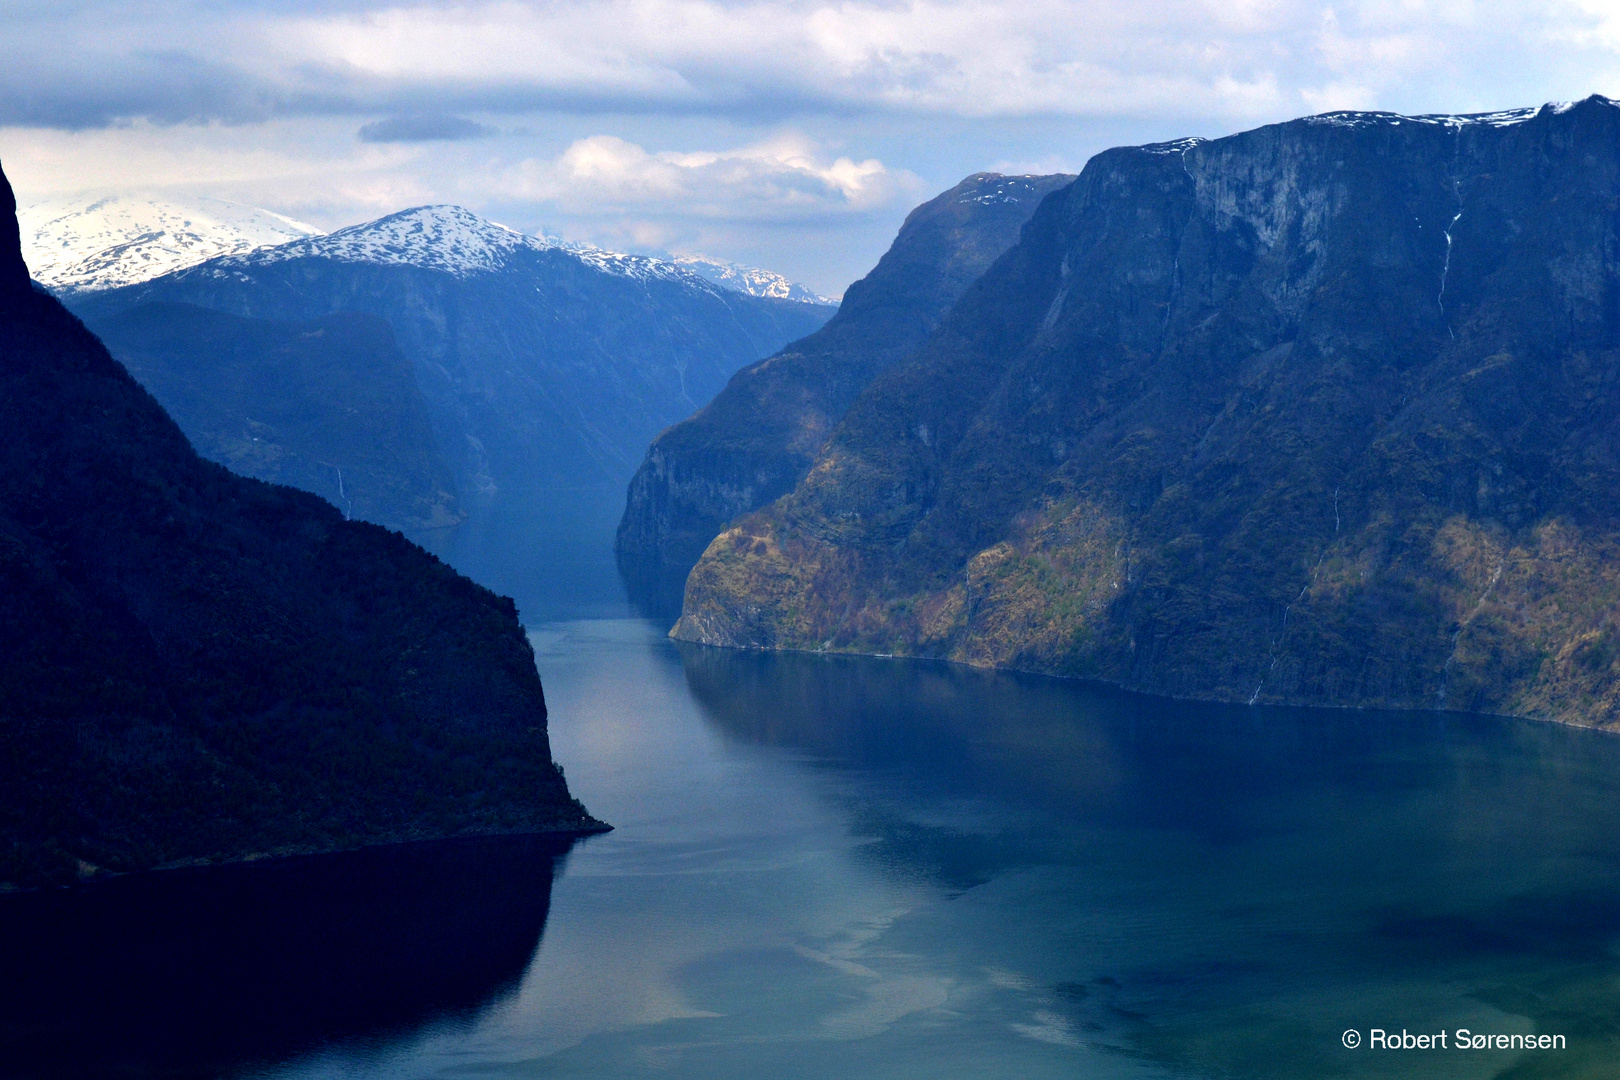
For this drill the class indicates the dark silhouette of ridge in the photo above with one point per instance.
(199, 667)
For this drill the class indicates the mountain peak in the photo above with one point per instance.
(438, 237)
(988, 187)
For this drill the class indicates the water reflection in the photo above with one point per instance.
(655, 590)
(202, 973)
(842, 867)
(1222, 889)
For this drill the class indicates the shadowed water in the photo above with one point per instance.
(841, 867)
(200, 973)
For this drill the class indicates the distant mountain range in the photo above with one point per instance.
(759, 436)
(199, 667)
(73, 244)
(1323, 413)
(544, 368)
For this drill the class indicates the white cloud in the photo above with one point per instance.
(97, 61)
(783, 133)
(784, 178)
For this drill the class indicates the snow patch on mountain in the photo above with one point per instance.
(71, 245)
(125, 239)
(749, 279)
(1501, 118)
(995, 188)
(456, 241)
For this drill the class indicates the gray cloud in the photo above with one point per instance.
(423, 128)
(673, 122)
(77, 64)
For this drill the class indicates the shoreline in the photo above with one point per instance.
(92, 875)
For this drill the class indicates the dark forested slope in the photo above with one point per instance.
(197, 666)
(1327, 412)
(329, 405)
(757, 438)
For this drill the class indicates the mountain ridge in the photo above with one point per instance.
(759, 435)
(125, 239)
(1321, 413)
(199, 667)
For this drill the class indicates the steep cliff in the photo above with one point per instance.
(1327, 413)
(195, 666)
(759, 435)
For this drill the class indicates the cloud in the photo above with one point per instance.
(98, 61)
(782, 133)
(782, 179)
(422, 128)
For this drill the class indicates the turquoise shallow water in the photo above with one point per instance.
(840, 867)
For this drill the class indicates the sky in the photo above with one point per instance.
(785, 134)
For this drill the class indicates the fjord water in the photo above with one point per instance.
(846, 867)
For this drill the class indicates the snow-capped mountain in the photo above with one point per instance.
(74, 246)
(749, 279)
(457, 241)
(71, 245)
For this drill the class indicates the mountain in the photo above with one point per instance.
(329, 405)
(1323, 413)
(760, 434)
(196, 667)
(545, 368)
(120, 239)
(748, 279)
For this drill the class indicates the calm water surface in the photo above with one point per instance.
(837, 867)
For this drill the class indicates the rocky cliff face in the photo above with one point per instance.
(758, 437)
(195, 666)
(1325, 413)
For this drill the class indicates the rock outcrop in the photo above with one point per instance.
(1324, 413)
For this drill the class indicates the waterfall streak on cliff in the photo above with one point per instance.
(348, 506)
(1282, 634)
(1445, 267)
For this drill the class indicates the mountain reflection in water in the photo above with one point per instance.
(198, 973)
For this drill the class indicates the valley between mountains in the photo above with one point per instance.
(1324, 413)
